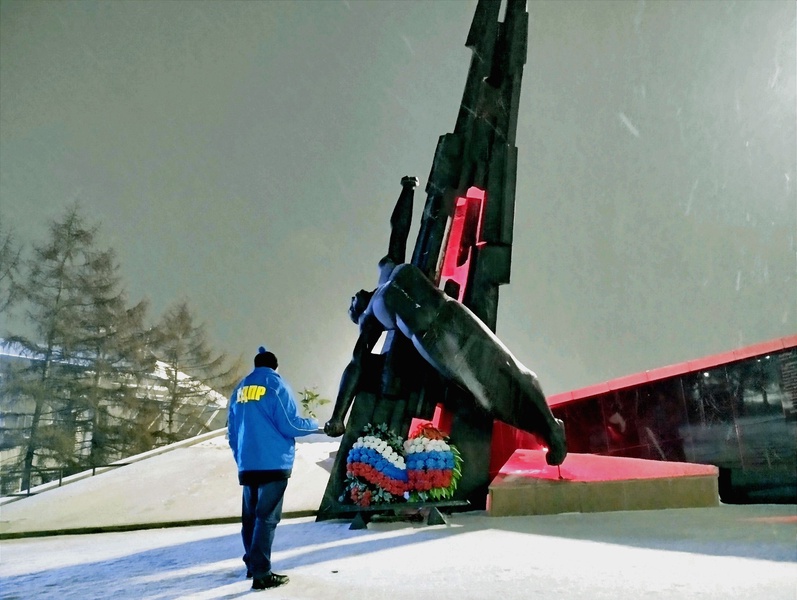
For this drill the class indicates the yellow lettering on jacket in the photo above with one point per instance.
(249, 393)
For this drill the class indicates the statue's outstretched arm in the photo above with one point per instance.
(370, 330)
(401, 220)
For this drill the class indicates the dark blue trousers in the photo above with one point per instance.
(261, 511)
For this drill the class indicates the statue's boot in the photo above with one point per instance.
(557, 445)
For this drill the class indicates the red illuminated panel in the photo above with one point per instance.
(628, 381)
(592, 390)
(592, 467)
(507, 439)
(758, 349)
(667, 371)
(442, 419)
(558, 399)
(464, 234)
(691, 366)
(709, 362)
(790, 341)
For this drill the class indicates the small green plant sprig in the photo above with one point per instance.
(310, 401)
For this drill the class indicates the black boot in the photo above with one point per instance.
(271, 580)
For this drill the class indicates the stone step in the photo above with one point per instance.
(526, 485)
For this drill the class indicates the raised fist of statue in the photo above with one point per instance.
(334, 428)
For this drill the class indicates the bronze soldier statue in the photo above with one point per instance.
(452, 339)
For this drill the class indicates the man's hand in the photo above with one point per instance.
(334, 428)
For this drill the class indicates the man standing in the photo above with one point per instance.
(263, 423)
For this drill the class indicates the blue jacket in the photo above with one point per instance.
(263, 422)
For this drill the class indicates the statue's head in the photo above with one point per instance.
(359, 302)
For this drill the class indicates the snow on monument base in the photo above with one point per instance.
(526, 485)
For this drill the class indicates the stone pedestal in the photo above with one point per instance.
(526, 485)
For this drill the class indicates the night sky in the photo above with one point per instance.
(246, 157)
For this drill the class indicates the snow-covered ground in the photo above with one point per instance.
(707, 553)
(187, 482)
(697, 553)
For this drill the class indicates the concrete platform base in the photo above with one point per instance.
(526, 485)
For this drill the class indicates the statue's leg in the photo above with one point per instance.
(532, 413)
(463, 348)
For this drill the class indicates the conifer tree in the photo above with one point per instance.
(85, 353)
(115, 348)
(10, 256)
(193, 377)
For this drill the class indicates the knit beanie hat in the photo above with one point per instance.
(265, 358)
